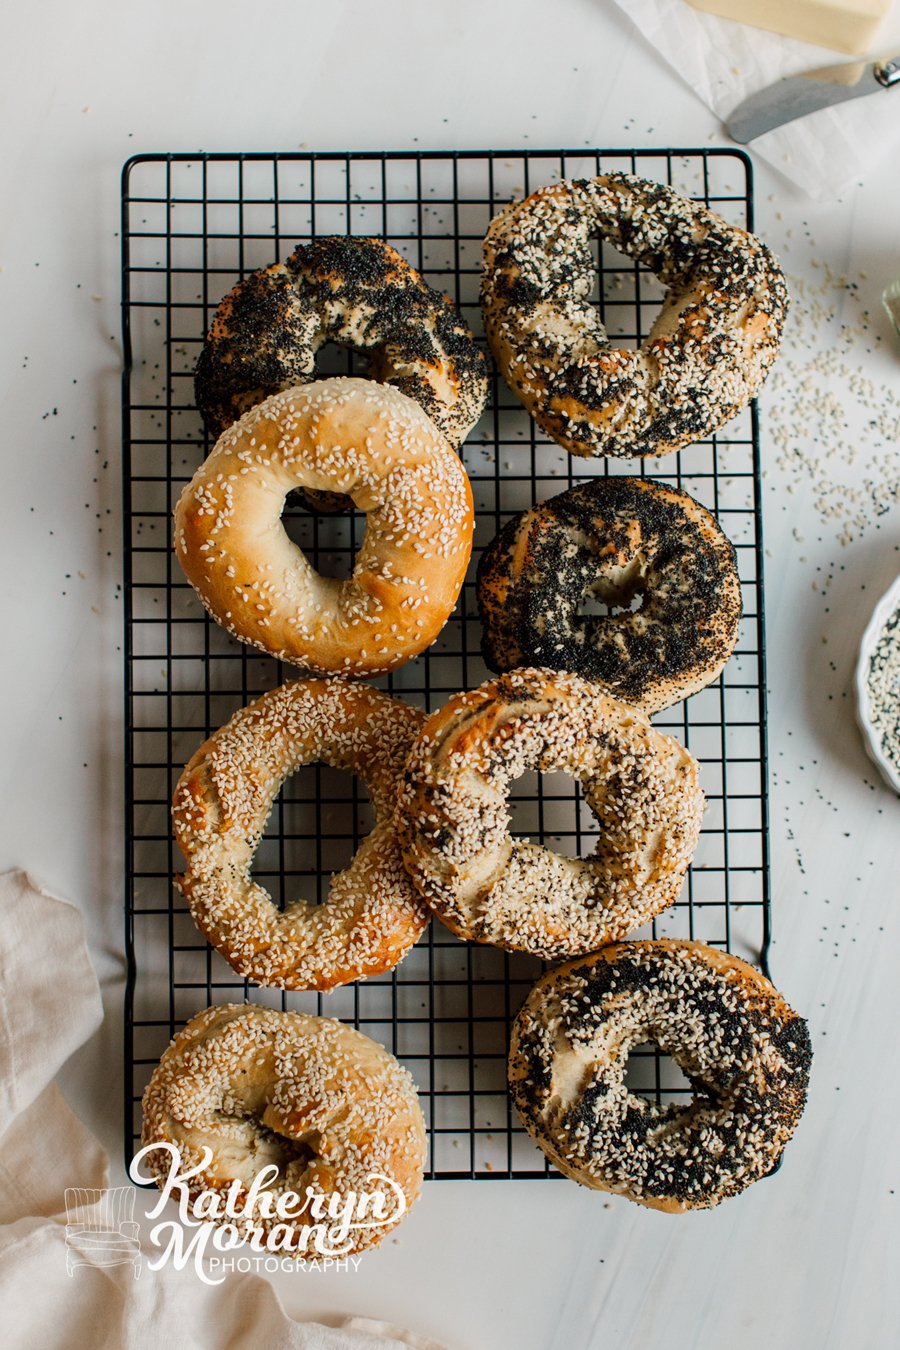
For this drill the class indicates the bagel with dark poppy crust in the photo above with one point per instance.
(358, 293)
(614, 540)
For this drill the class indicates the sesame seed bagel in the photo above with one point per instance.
(614, 539)
(356, 437)
(359, 293)
(705, 356)
(746, 1053)
(372, 915)
(329, 1108)
(454, 820)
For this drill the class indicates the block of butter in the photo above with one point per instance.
(844, 25)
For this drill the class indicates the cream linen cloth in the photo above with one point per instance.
(49, 1005)
(724, 61)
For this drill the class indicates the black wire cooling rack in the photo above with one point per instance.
(192, 225)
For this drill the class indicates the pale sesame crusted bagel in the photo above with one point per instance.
(454, 821)
(351, 436)
(372, 915)
(358, 293)
(616, 539)
(745, 1052)
(705, 356)
(330, 1110)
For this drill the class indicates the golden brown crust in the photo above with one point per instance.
(616, 538)
(372, 915)
(323, 1103)
(350, 436)
(746, 1052)
(707, 353)
(642, 786)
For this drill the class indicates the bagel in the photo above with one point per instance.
(746, 1053)
(616, 539)
(641, 786)
(352, 436)
(372, 915)
(331, 1110)
(358, 293)
(705, 356)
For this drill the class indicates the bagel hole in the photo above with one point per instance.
(328, 540)
(595, 604)
(549, 810)
(291, 1150)
(616, 591)
(317, 503)
(333, 359)
(653, 1074)
(317, 823)
(626, 295)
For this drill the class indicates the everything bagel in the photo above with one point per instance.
(746, 1053)
(705, 356)
(454, 821)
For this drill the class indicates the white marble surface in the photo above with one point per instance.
(805, 1262)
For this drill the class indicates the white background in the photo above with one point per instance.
(808, 1259)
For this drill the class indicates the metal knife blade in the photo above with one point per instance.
(800, 95)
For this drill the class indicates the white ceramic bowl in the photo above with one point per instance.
(891, 301)
(883, 611)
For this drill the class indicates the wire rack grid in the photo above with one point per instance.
(192, 225)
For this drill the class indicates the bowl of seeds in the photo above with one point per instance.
(891, 301)
(878, 686)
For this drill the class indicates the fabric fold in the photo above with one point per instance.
(49, 995)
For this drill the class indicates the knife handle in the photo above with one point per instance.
(888, 72)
